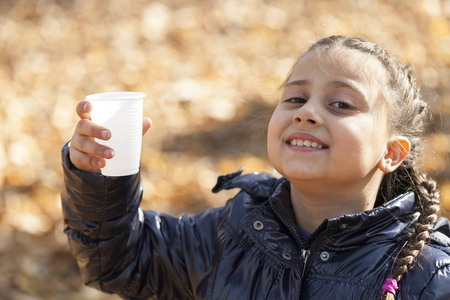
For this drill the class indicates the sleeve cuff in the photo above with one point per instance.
(94, 197)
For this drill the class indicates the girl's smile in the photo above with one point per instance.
(305, 142)
(329, 127)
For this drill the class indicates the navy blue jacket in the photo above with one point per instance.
(248, 249)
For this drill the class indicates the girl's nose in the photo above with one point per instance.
(307, 115)
(297, 119)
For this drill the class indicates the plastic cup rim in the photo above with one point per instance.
(115, 96)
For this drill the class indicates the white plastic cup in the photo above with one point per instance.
(121, 113)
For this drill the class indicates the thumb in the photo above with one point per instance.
(84, 109)
(146, 124)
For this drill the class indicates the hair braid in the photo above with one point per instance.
(410, 176)
(428, 206)
(407, 116)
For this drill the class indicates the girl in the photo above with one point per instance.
(353, 217)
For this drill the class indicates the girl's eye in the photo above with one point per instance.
(342, 105)
(296, 100)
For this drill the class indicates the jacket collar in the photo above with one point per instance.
(258, 185)
(390, 221)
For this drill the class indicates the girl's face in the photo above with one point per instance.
(330, 126)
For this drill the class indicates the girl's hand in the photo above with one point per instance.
(85, 153)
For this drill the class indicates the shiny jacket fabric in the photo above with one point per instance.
(248, 249)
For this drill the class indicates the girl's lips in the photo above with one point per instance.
(301, 139)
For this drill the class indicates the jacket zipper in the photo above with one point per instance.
(305, 255)
(312, 247)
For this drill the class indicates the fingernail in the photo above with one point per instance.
(85, 106)
(108, 153)
(105, 134)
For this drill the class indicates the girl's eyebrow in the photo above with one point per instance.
(335, 84)
(297, 82)
(350, 85)
(342, 84)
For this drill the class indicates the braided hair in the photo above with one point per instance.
(407, 115)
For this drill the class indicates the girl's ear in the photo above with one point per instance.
(398, 149)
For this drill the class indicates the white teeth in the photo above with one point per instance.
(296, 142)
(305, 143)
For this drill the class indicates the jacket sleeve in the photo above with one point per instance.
(135, 254)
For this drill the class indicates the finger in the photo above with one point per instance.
(91, 147)
(84, 109)
(146, 124)
(84, 162)
(90, 129)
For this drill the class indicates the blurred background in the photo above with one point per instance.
(210, 69)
